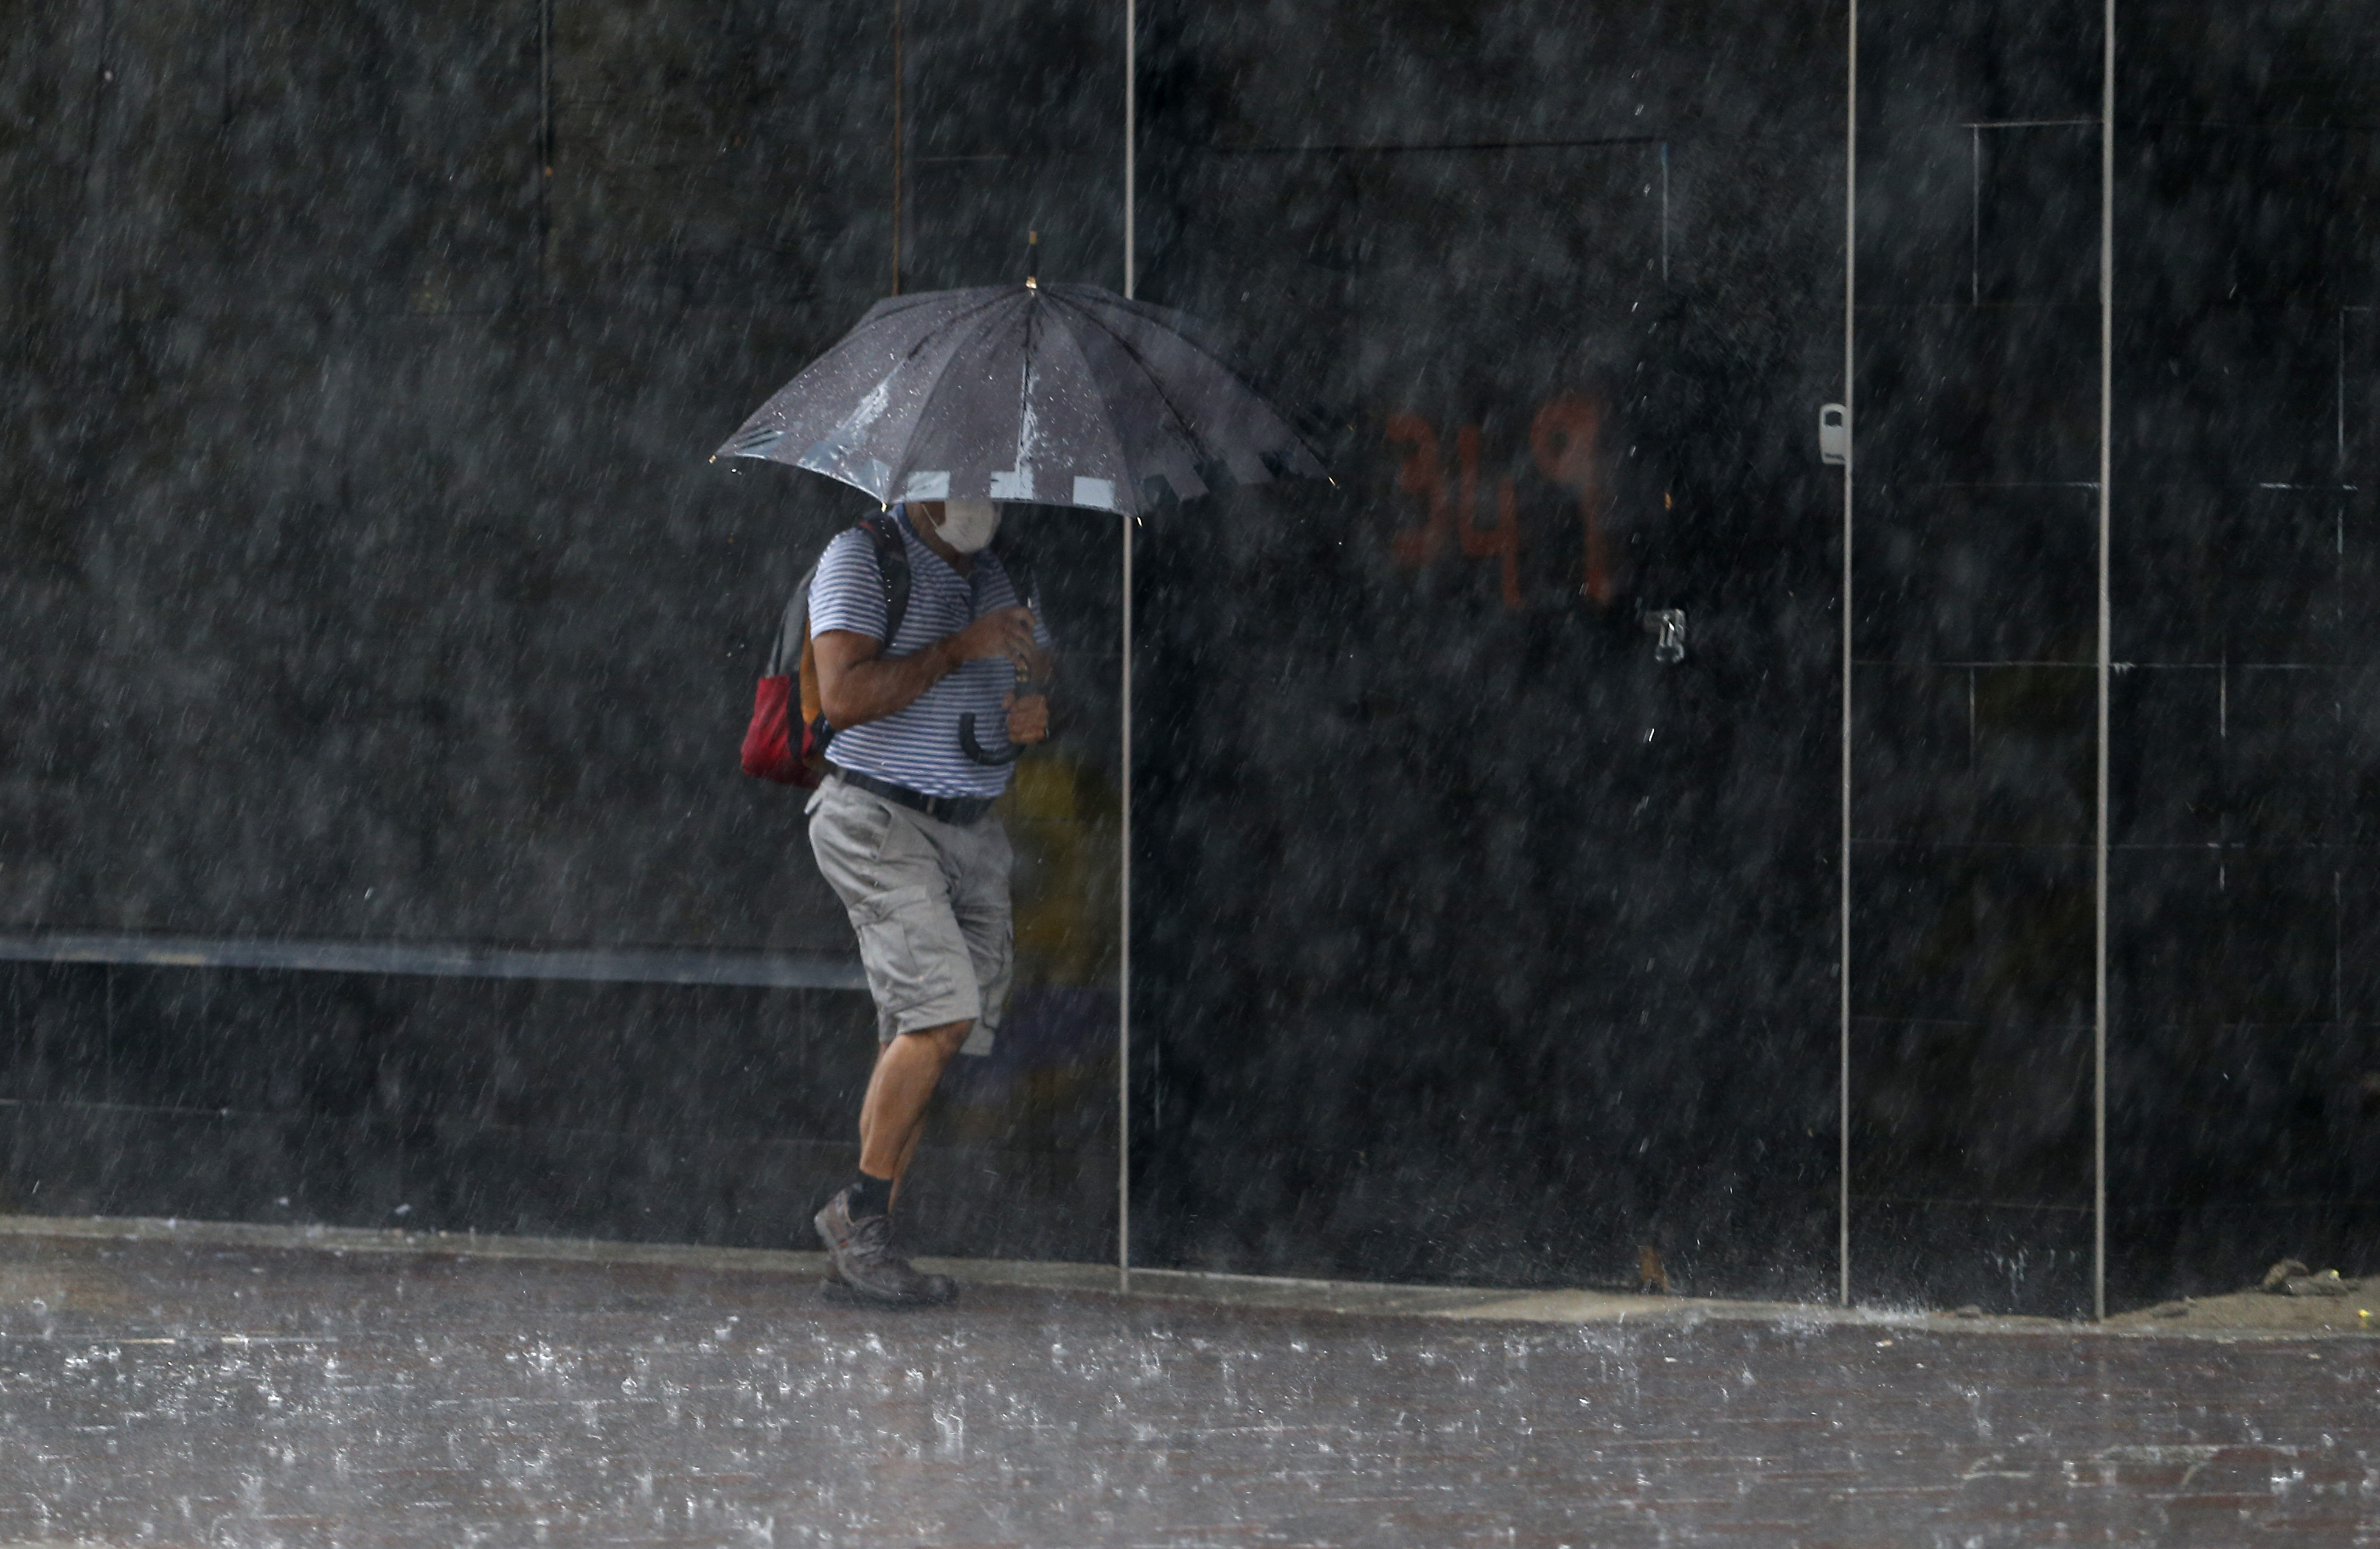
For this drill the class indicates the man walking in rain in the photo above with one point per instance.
(904, 832)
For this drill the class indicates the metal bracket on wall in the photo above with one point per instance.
(1668, 627)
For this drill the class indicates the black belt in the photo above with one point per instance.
(961, 810)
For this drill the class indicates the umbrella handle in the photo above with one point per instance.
(975, 750)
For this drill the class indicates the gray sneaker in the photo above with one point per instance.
(863, 1267)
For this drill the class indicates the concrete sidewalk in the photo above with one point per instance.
(2239, 1315)
(221, 1386)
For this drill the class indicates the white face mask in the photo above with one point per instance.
(967, 526)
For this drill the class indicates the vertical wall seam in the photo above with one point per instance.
(1131, 139)
(897, 73)
(1123, 950)
(544, 150)
(1843, 880)
(2099, 843)
(1124, 828)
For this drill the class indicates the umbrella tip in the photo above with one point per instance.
(1032, 256)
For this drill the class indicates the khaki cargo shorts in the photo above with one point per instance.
(929, 902)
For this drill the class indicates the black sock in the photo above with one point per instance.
(869, 1196)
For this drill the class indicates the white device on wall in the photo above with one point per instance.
(1834, 435)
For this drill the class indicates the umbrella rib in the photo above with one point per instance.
(1056, 339)
(891, 306)
(856, 340)
(956, 320)
(1189, 431)
(857, 344)
(1021, 457)
(1197, 440)
(926, 405)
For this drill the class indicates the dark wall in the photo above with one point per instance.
(645, 1112)
(1975, 539)
(2242, 1008)
(1501, 947)
(363, 579)
(2240, 1097)
(362, 557)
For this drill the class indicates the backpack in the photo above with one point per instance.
(770, 749)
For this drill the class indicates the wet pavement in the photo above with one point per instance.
(215, 1393)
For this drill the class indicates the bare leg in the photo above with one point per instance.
(910, 1150)
(892, 1114)
(859, 1248)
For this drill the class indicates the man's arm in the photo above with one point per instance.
(858, 683)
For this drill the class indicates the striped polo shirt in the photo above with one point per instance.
(919, 746)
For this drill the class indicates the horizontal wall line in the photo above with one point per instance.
(1881, 842)
(1977, 1023)
(1962, 665)
(1965, 666)
(454, 1132)
(444, 960)
(1430, 148)
(2034, 1206)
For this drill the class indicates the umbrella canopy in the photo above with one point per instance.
(1056, 394)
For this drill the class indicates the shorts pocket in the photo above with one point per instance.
(847, 834)
(914, 956)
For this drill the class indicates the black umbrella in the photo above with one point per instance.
(1058, 395)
